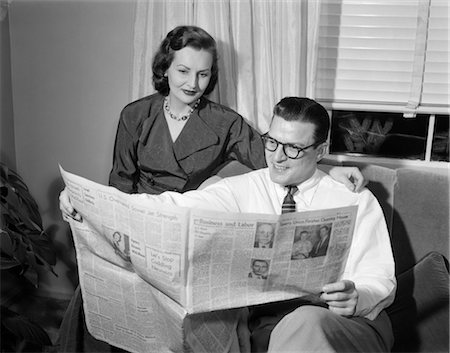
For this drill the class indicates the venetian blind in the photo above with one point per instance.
(391, 53)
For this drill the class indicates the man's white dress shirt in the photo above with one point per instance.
(370, 263)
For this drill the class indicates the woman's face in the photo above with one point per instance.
(304, 236)
(189, 75)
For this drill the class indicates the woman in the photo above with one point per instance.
(174, 140)
(301, 247)
(177, 138)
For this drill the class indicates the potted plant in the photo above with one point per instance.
(25, 254)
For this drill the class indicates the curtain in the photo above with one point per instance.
(4, 7)
(262, 48)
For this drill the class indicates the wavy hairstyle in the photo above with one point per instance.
(177, 39)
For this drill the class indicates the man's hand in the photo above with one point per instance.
(66, 207)
(341, 297)
(351, 177)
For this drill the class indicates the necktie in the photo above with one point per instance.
(288, 202)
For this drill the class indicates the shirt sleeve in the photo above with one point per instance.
(215, 197)
(245, 145)
(124, 172)
(371, 263)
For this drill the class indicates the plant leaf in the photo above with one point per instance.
(23, 328)
(6, 245)
(6, 262)
(23, 242)
(32, 276)
(18, 195)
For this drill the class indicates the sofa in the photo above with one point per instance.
(416, 206)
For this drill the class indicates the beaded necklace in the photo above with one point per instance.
(183, 117)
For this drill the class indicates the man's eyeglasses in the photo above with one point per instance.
(290, 150)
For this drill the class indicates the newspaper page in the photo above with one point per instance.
(133, 286)
(228, 268)
(158, 278)
(133, 233)
(127, 312)
(120, 307)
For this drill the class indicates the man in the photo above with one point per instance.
(350, 315)
(264, 235)
(320, 249)
(259, 269)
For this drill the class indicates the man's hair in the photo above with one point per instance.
(305, 110)
(260, 260)
(271, 225)
(177, 39)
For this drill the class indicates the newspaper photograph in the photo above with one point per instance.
(158, 278)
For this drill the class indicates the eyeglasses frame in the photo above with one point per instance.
(300, 150)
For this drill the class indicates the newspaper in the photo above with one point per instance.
(160, 278)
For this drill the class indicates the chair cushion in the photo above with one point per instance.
(420, 312)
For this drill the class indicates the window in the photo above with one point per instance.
(389, 135)
(383, 71)
(440, 151)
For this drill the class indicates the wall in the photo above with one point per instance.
(7, 145)
(71, 69)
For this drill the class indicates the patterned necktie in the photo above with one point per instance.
(288, 202)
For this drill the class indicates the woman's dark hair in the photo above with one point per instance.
(179, 38)
(306, 110)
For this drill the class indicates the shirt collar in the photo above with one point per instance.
(306, 190)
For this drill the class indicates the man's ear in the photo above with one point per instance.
(321, 150)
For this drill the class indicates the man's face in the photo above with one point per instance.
(323, 232)
(286, 171)
(260, 268)
(264, 234)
